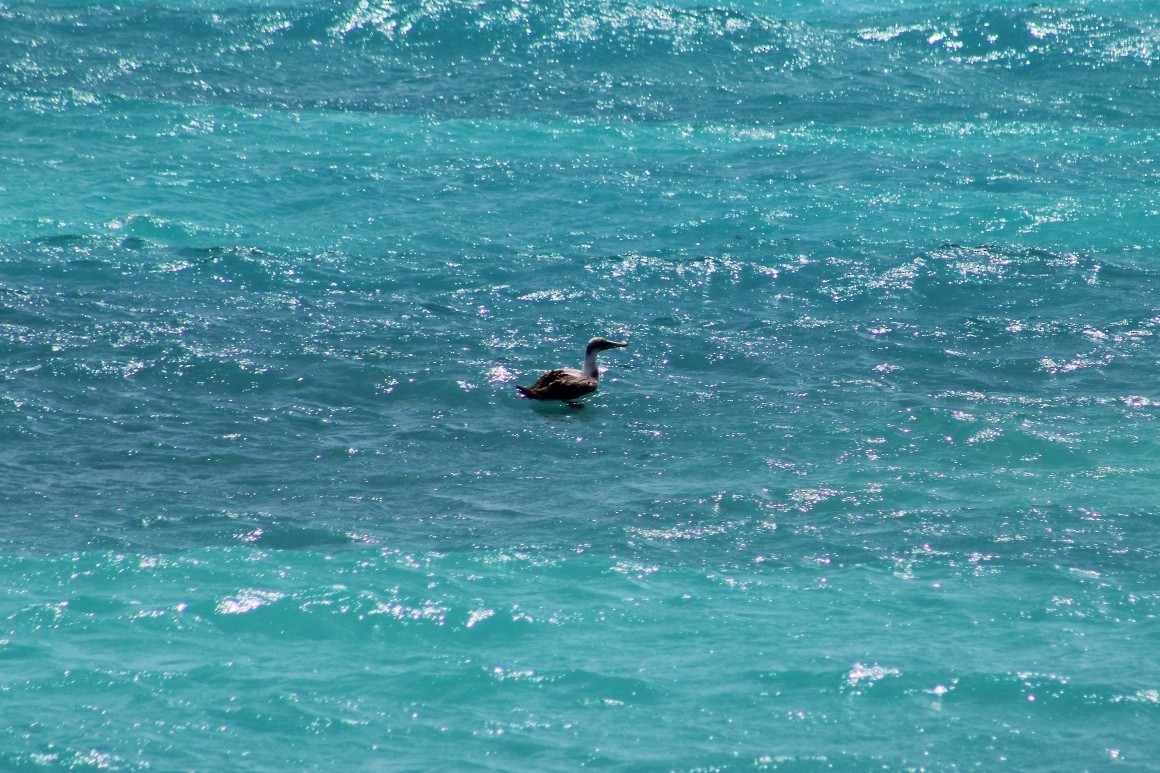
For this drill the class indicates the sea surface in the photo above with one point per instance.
(875, 486)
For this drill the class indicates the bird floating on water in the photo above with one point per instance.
(566, 384)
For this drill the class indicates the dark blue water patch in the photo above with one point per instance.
(1035, 49)
(1004, 315)
(163, 392)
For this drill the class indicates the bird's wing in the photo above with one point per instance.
(554, 377)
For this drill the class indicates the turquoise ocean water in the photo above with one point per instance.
(875, 486)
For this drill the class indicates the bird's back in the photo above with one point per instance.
(561, 384)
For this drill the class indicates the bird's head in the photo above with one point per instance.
(600, 344)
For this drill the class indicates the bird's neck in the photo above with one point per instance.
(589, 370)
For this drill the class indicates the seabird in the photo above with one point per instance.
(568, 383)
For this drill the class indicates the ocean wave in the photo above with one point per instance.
(379, 55)
(646, 62)
(583, 33)
(1041, 37)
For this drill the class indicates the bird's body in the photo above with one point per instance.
(567, 384)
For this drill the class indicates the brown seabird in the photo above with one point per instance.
(567, 384)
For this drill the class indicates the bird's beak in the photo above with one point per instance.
(618, 345)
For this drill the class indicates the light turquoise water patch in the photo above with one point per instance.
(268, 658)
